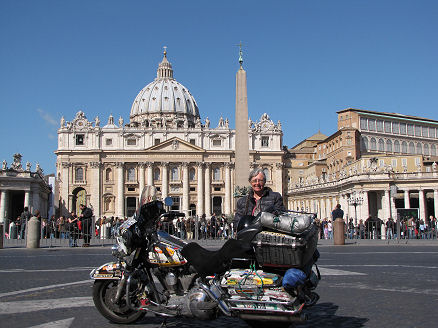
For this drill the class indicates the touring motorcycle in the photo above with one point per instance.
(265, 274)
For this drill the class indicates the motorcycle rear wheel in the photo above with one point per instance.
(103, 292)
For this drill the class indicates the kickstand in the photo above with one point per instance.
(163, 324)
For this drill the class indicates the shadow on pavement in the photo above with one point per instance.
(324, 315)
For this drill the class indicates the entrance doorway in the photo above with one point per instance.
(131, 205)
(217, 205)
(79, 197)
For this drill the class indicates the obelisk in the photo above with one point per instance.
(242, 139)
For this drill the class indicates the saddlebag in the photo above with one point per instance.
(288, 222)
(281, 250)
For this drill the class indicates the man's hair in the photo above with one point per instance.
(26, 208)
(36, 213)
(255, 173)
(81, 205)
(338, 206)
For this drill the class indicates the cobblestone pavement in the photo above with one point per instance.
(367, 286)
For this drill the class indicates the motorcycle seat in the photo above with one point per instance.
(207, 262)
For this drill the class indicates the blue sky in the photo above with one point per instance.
(305, 60)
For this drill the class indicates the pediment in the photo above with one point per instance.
(175, 145)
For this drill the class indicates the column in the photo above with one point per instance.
(200, 176)
(227, 189)
(96, 198)
(328, 208)
(421, 200)
(141, 184)
(185, 198)
(407, 202)
(435, 201)
(207, 190)
(3, 207)
(150, 173)
(64, 205)
(364, 210)
(120, 209)
(386, 206)
(27, 198)
(164, 180)
(279, 177)
(35, 200)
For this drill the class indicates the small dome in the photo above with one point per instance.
(164, 95)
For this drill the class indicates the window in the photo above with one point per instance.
(131, 142)
(411, 148)
(79, 140)
(192, 174)
(79, 174)
(193, 141)
(404, 162)
(131, 174)
(394, 162)
(373, 144)
(417, 161)
(372, 125)
(131, 189)
(157, 174)
(108, 174)
(217, 188)
(364, 143)
(433, 150)
(216, 174)
(266, 172)
(108, 142)
(265, 141)
(381, 163)
(419, 148)
(395, 128)
(404, 147)
(217, 142)
(156, 141)
(403, 128)
(396, 146)
(417, 131)
(192, 189)
(426, 149)
(410, 129)
(381, 145)
(379, 126)
(387, 127)
(389, 146)
(174, 174)
(431, 132)
(425, 131)
(363, 123)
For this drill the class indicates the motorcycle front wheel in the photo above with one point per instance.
(103, 294)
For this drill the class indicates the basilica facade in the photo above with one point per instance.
(167, 144)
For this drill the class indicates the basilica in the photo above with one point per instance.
(167, 144)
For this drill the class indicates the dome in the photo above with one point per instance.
(164, 95)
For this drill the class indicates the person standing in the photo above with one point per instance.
(389, 229)
(85, 219)
(25, 216)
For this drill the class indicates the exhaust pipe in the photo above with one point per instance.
(262, 317)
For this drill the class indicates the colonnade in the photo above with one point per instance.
(32, 200)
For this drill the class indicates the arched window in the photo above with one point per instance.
(192, 174)
(426, 149)
(216, 174)
(267, 174)
(79, 174)
(433, 150)
(411, 148)
(373, 144)
(108, 174)
(381, 145)
(396, 146)
(157, 174)
(389, 146)
(131, 174)
(419, 148)
(364, 144)
(174, 174)
(404, 147)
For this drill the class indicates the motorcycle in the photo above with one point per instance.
(263, 275)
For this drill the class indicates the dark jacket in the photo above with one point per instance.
(271, 201)
(337, 213)
(87, 213)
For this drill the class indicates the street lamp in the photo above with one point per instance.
(354, 200)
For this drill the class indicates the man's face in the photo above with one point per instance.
(258, 182)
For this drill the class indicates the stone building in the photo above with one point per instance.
(21, 187)
(386, 160)
(165, 144)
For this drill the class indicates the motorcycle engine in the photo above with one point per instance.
(201, 306)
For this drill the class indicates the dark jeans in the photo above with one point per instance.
(86, 230)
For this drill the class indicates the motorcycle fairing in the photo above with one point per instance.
(110, 270)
